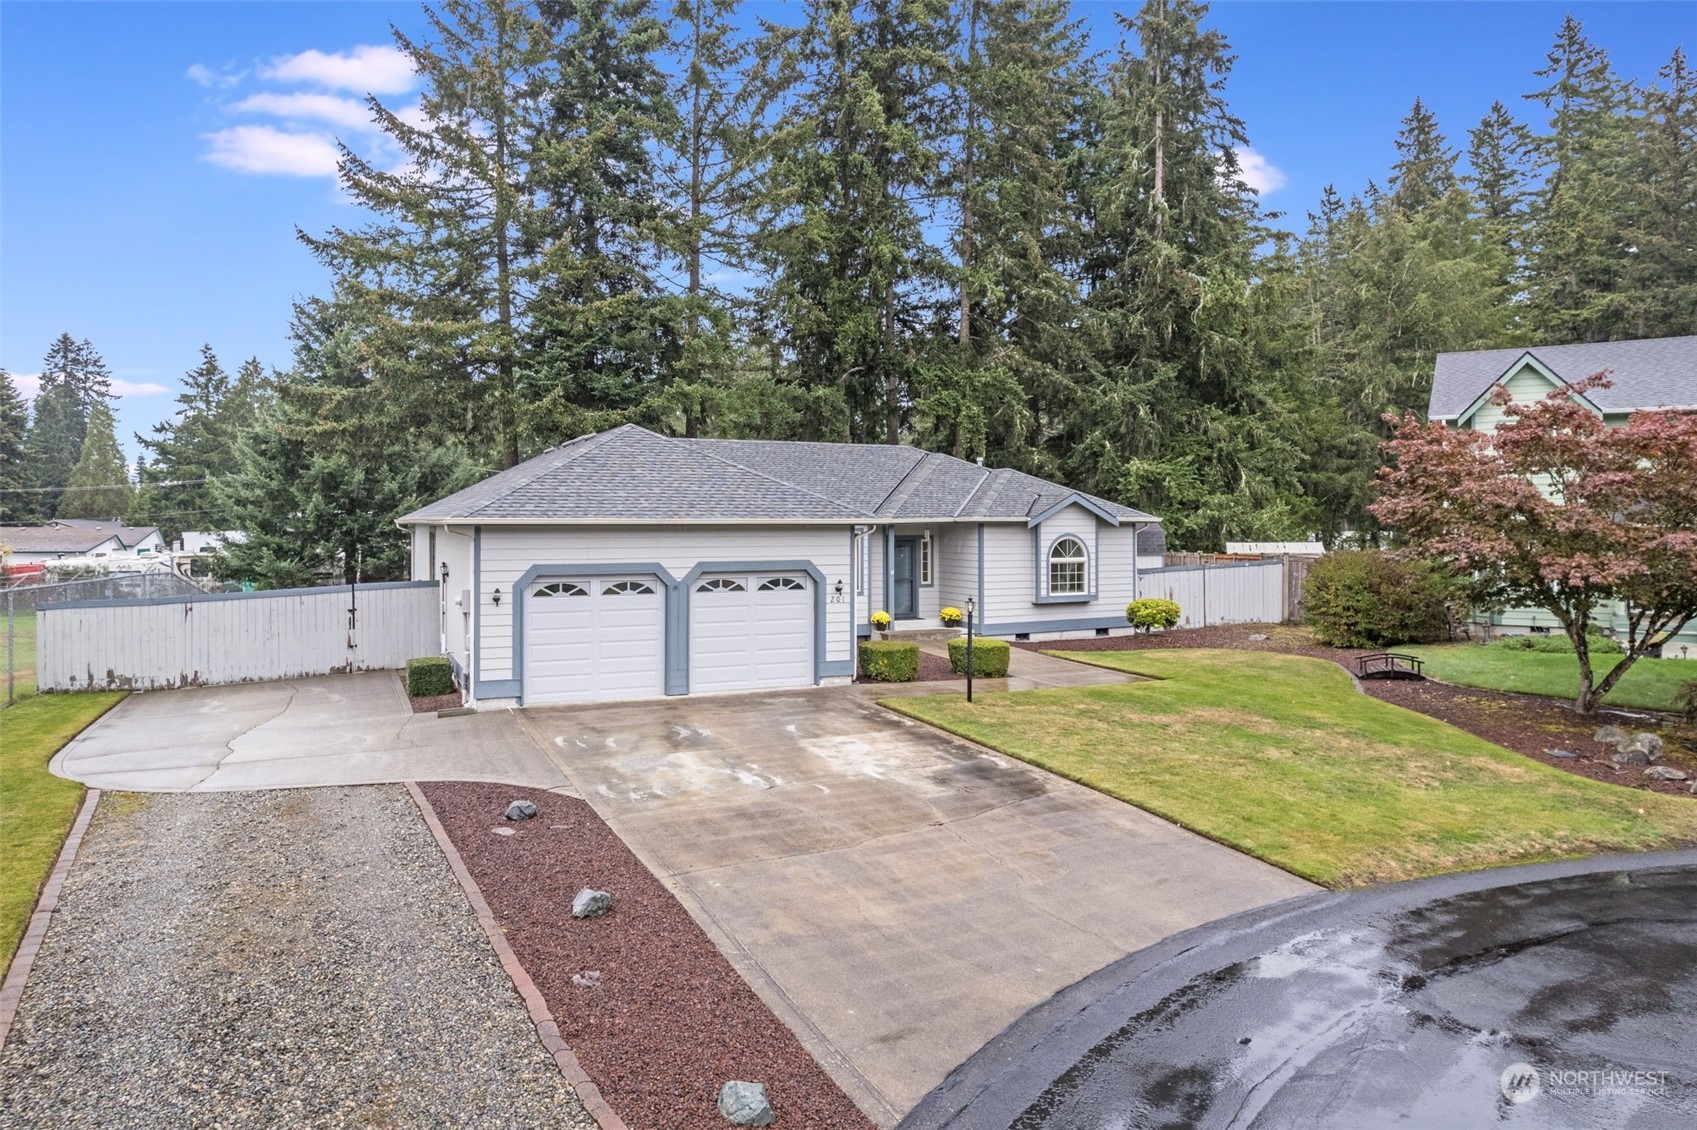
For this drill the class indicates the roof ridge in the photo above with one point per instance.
(994, 480)
(890, 498)
(578, 447)
(837, 502)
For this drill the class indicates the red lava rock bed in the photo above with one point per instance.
(932, 669)
(670, 1021)
(431, 703)
(1528, 724)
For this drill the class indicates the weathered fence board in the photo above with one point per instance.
(234, 637)
(1237, 592)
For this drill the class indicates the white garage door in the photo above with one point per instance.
(594, 640)
(750, 633)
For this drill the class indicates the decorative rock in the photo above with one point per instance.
(588, 979)
(591, 904)
(745, 1104)
(1631, 757)
(1610, 735)
(1666, 773)
(1257, 637)
(520, 810)
(504, 831)
(1564, 754)
(1649, 744)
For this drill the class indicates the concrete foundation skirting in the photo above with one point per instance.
(17, 977)
(546, 1028)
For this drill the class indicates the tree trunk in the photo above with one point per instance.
(967, 177)
(503, 273)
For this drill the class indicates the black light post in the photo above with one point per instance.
(969, 611)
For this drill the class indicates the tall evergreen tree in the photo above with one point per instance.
(1576, 286)
(1661, 270)
(100, 482)
(1424, 172)
(74, 379)
(851, 166)
(323, 474)
(18, 500)
(1500, 182)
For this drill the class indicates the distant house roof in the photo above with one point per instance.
(54, 539)
(128, 536)
(1656, 372)
(632, 474)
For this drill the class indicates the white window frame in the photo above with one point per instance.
(925, 558)
(1079, 562)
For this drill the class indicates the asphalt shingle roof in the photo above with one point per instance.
(632, 474)
(55, 539)
(1656, 372)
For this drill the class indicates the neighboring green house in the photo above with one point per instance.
(1649, 373)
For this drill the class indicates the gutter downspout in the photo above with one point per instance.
(857, 565)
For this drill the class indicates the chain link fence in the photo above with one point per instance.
(21, 602)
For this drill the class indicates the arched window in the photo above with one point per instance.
(627, 588)
(1068, 568)
(560, 588)
(781, 584)
(720, 584)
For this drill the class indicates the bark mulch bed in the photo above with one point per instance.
(670, 1021)
(1528, 724)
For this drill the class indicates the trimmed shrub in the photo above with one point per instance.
(1553, 644)
(1369, 598)
(1152, 612)
(989, 657)
(429, 677)
(889, 661)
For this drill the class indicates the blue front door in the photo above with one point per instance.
(904, 596)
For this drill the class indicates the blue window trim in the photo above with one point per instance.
(1040, 568)
(1074, 499)
(928, 556)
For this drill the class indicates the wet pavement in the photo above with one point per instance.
(1559, 995)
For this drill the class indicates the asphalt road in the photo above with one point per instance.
(1555, 996)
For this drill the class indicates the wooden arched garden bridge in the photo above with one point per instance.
(1388, 665)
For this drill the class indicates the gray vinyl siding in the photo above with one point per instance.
(507, 552)
(956, 565)
(1015, 566)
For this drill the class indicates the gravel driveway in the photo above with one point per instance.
(299, 958)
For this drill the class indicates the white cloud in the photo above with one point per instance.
(136, 388)
(1258, 172)
(364, 69)
(209, 78)
(349, 113)
(29, 385)
(266, 149)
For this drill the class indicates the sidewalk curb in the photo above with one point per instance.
(11, 993)
(546, 1028)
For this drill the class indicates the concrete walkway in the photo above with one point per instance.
(897, 896)
(328, 730)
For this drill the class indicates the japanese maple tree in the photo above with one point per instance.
(1556, 510)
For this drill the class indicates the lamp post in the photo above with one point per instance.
(969, 612)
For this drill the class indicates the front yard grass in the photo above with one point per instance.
(36, 808)
(1651, 684)
(23, 656)
(1281, 757)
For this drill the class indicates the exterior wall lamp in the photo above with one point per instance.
(496, 595)
(444, 572)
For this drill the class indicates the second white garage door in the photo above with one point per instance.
(594, 640)
(750, 632)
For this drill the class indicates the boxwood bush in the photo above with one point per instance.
(1554, 644)
(1152, 612)
(989, 657)
(889, 661)
(430, 676)
(1371, 599)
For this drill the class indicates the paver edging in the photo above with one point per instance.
(17, 976)
(546, 1029)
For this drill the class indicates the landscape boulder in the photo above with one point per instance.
(1563, 754)
(520, 810)
(1666, 773)
(745, 1104)
(591, 903)
(1609, 735)
(1649, 744)
(1630, 757)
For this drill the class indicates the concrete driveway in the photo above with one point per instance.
(327, 730)
(896, 895)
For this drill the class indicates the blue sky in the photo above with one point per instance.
(156, 158)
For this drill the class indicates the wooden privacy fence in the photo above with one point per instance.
(1268, 591)
(240, 637)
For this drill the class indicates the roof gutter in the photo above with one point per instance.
(410, 520)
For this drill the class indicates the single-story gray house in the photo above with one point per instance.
(628, 564)
(79, 537)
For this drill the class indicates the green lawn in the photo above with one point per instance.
(23, 656)
(1652, 684)
(1279, 756)
(36, 808)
